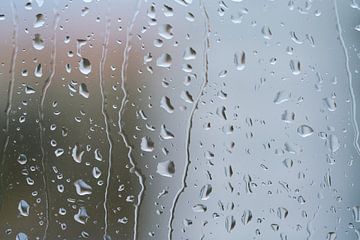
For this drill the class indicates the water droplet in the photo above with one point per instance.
(166, 168)
(165, 31)
(333, 143)
(21, 236)
(81, 216)
(288, 162)
(29, 90)
(39, 21)
(38, 42)
(59, 152)
(282, 212)
(189, 53)
(98, 155)
(165, 103)
(266, 32)
(38, 71)
(82, 188)
(199, 208)
(331, 236)
(246, 217)
(165, 133)
(288, 116)
(85, 66)
(22, 159)
(96, 172)
(281, 97)
(230, 223)
(305, 131)
(239, 60)
(295, 67)
(76, 154)
(356, 213)
(83, 90)
(23, 208)
(330, 104)
(147, 144)
(205, 192)
(164, 60)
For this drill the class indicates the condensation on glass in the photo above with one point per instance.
(179, 119)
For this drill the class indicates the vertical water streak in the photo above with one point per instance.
(308, 225)
(41, 116)
(348, 72)
(123, 102)
(10, 91)
(104, 113)
(192, 113)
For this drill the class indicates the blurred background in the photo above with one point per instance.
(179, 119)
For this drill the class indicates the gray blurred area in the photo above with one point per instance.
(179, 119)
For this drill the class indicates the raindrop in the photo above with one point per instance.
(230, 223)
(295, 67)
(239, 60)
(81, 216)
(38, 42)
(305, 131)
(165, 31)
(164, 60)
(82, 188)
(39, 21)
(21, 236)
(266, 32)
(166, 168)
(22, 159)
(83, 90)
(205, 192)
(165, 103)
(147, 144)
(85, 66)
(23, 208)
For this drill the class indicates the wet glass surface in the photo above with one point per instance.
(179, 119)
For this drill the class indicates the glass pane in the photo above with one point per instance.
(179, 119)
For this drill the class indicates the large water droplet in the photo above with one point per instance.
(164, 60)
(147, 144)
(165, 31)
(38, 42)
(166, 168)
(22, 159)
(85, 66)
(239, 60)
(23, 208)
(305, 131)
(82, 188)
(39, 21)
(81, 216)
